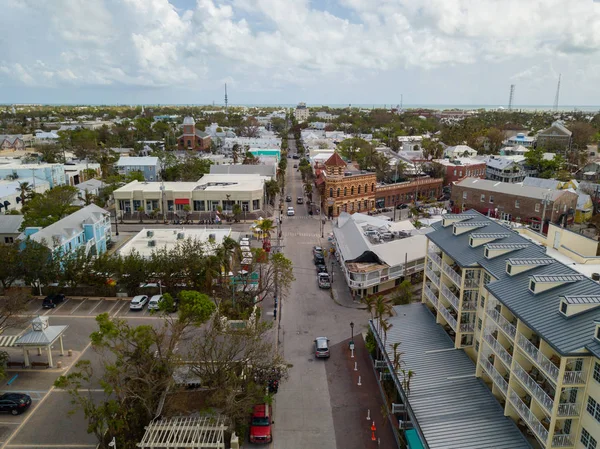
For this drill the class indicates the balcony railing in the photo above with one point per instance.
(467, 327)
(569, 409)
(431, 296)
(453, 275)
(527, 415)
(449, 318)
(451, 297)
(574, 377)
(503, 323)
(495, 375)
(544, 363)
(435, 257)
(498, 349)
(532, 386)
(566, 440)
(469, 306)
(431, 275)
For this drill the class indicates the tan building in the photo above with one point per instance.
(529, 320)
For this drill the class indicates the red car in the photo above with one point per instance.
(260, 424)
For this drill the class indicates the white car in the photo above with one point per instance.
(290, 211)
(138, 302)
(154, 302)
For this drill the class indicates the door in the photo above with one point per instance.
(5, 406)
(556, 243)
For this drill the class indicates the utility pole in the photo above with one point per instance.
(557, 93)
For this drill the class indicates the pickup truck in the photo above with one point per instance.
(323, 280)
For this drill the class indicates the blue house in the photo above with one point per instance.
(89, 227)
(148, 165)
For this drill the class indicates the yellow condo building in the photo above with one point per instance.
(529, 318)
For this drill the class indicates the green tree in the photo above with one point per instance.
(194, 307)
(10, 266)
(404, 293)
(272, 189)
(135, 175)
(37, 265)
(237, 212)
(51, 153)
(12, 310)
(133, 270)
(350, 149)
(47, 208)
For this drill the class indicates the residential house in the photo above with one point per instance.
(590, 171)
(326, 116)
(149, 166)
(459, 168)
(78, 172)
(459, 151)
(192, 139)
(10, 192)
(529, 321)
(410, 143)
(11, 142)
(506, 168)
(88, 189)
(376, 255)
(301, 113)
(54, 174)
(585, 207)
(518, 150)
(514, 202)
(555, 138)
(9, 228)
(87, 228)
(520, 139)
(42, 137)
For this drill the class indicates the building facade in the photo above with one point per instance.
(460, 168)
(520, 139)
(555, 138)
(10, 192)
(301, 113)
(192, 139)
(11, 142)
(54, 174)
(392, 195)
(149, 166)
(530, 323)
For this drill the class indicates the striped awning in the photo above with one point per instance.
(7, 341)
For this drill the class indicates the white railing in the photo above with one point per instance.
(532, 386)
(435, 257)
(453, 275)
(431, 275)
(467, 327)
(498, 349)
(574, 377)
(543, 362)
(503, 323)
(569, 409)
(566, 440)
(449, 318)
(527, 415)
(451, 297)
(430, 296)
(469, 306)
(495, 375)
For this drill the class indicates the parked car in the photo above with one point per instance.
(295, 165)
(323, 280)
(321, 347)
(318, 259)
(317, 250)
(260, 424)
(321, 269)
(299, 200)
(295, 156)
(14, 403)
(51, 301)
(138, 302)
(154, 303)
(290, 211)
(288, 199)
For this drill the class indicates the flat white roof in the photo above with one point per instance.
(464, 161)
(169, 237)
(212, 182)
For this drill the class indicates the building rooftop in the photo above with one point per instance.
(460, 161)
(510, 188)
(188, 121)
(531, 181)
(10, 224)
(452, 407)
(539, 311)
(125, 161)
(335, 161)
(215, 182)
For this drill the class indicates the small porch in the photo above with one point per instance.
(42, 338)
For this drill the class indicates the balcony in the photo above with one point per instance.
(549, 368)
(469, 306)
(566, 440)
(449, 318)
(495, 375)
(498, 349)
(432, 297)
(467, 327)
(574, 378)
(568, 409)
(503, 323)
(451, 297)
(435, 257)
(534, 388)
(431, 275)
(453, 275)
(527, 415)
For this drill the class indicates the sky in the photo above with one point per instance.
(436, 52)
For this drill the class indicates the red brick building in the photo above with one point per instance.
(390, 195)
(457, 169)
(192, 139)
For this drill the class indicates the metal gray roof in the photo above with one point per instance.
(40, 338)
(470, 224)
(453, 408)
(540, 311)
(10, 224)
(509, 188)
(506, 245)
(483, 235)
(539, 261)
(460, 216)
(531, 181)
(582, 299)
(559, 278)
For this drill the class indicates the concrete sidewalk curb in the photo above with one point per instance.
(347, 306)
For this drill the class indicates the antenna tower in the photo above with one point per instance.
(226, 104)
(557, 93)
(511, 97)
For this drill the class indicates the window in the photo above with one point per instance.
(482, 302)
(532, 285)
(597, 372)
(255, 204)
(338, 192)
(376, 289)
(9, 240)
(483, 198)
(352, 190)
(169, 204)
(593, 408)
(587, 440)
(366, 204)
(479, 323)
(359, 190)
(476, 346)
(486, 253)
(492, 199)
(345, 191)
(460, 173)
(464, 195)
(331, 192)
(508, 268)
(366, 188)
(454, 172)
(563, 307)
(537, 207)
(517, 204)
(351, 207)
(199, 205)
(372, 187)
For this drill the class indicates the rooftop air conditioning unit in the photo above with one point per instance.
(149, 234)
(180, 236)
(151, 243)
(212, 237)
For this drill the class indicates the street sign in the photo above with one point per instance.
(330, 201)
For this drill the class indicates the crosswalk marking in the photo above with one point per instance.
(300, 234)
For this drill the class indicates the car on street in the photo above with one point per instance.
(288, 199)
(289, 156)
(321, 269)
(51, 301)
(154, 303)
(323, 280)
(14, 403)
(322, 347)
(299, 200)
(138, 302)
(295, 156)
(290, 211)
(317, 250)
(295, 165)
(260, 424)
(318, 259)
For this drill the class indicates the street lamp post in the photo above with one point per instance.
(332, 270)
(351, 339)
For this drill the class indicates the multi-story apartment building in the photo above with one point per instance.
(506, 168)
(149, 166)
(460, 168)
(301, 112)
(529, 322)
(520, 139)
(555, 138)
(391, 195)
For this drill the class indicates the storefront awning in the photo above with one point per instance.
(182, 201)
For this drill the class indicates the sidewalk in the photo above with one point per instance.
(351, 403)
(340, 292)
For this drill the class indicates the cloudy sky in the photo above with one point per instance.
(285, 51)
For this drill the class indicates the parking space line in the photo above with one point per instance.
(73, 311)
(61, 304)
(99, 302)
(117, 312)
(36, 312)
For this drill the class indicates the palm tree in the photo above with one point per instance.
(266, 227)
(383, 307)
(397, 361)
(25, 192)
(87, 197)
(369, 301)
(385, 326)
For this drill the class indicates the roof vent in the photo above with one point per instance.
(212, 237)
(596, 277)
(542, 283)
(149, 234)
(478, 239)
(462, 227)
(180, 235)
(516, 266)
(151, 243)
(574, 305)
(493, 250)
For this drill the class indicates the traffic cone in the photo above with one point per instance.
(373, 428)
(373, 436)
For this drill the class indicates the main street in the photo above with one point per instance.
(303, 410)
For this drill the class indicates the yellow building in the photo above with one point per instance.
(530, 322)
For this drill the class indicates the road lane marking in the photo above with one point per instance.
(78, 306)
(114, 305)
(61, 304)
(99, 302)
(119, 310)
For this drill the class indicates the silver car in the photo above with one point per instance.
(155, 301)
(138, 302)
(321, 347)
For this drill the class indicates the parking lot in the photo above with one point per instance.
(48, 423)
